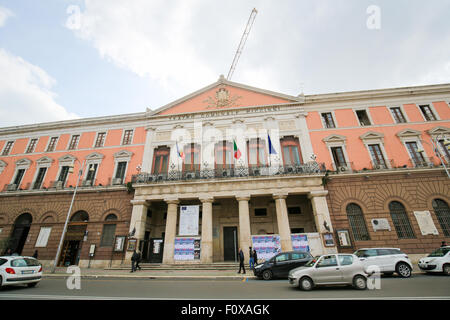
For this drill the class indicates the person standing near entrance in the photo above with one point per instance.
(134, 259)
(252, 259)
(241, 261)
(139, 258)
(255, 257)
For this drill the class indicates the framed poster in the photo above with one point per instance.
(42, 239)
(189, 217)
(343, 236)
(119, 243)
(131, 244)
(328, 239)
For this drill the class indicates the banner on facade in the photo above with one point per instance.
(187, 249)
(189, 220)
(266, 246)
(300, 242)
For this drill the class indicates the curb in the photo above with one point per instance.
(152, 277)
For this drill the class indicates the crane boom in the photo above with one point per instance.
(251, 19)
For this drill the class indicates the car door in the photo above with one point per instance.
(281, 266)
(384, 259)
(327, 270)
(347, 267)
(369, 258)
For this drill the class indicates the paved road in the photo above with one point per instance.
(417, 287)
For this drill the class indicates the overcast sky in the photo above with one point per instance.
(66, 59)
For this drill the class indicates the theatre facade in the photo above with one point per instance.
(232, 166)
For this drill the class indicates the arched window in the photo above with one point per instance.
(357, 222)
(109, 231)
(400, 220)
(80, 216)
(443, 215)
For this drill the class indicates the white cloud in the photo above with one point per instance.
(25, 93)
(4, 15)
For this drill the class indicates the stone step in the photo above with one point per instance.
(151, 266)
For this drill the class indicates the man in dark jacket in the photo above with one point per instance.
(251, 260)
(241, 261)
(255, 257)
(134, 259)
(139, 258)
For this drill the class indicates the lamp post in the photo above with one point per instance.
(435, 145)
(58, 253)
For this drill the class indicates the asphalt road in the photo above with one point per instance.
(416, 287)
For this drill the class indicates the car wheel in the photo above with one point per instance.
(306, 284)
(446, 269)
(32, 285)
(403, 270)
(267, 275)
(359, 282)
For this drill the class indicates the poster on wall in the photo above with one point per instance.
(189, 216)
(300, 242)
(425, 222)
(266, 246)
(186, 249)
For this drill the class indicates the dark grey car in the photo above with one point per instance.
(280, 265)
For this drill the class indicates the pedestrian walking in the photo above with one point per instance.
(241, 261)
(251, 260)
(35, 254)
(134, 259)
(255, 257)
(139, 258)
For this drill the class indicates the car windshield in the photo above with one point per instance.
(311, 263)
(440, 252)
(360, 253)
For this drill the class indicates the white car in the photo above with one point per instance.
(19, 270)
(388, 260)
(438, 261)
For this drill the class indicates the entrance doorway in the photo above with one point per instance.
(20, 233)
(230, 244)
(73, 241)
(156, 250)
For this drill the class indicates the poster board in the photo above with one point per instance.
(328, 239)
(119, 243)
(189, 216)
(131, 244)
(42, 239)
(300, 242)
(344, 239)
(266, 246)
(425, 222)
(187, 248)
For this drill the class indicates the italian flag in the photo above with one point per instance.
(237, 152)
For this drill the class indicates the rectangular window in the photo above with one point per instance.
(74, 142)
(377, 156)
(108, 234)
(446, 153)
(100, 139)
(294, 210)
(427, 113)
(39, 178)
(338, 157)
(31, 146)
(43, 237)
(120, 172)
(257, 152)
(363, 117)
(19, 177)
(7, 148)
(161, 160)
(92, 169)
(328, 120)
(398, 115)
(261, 212)
(52, 144)
(127, 137)
(416, 156)
(291, 151)
(63, 174)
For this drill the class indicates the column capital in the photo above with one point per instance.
(318, 193)
(150, 128)
(172, 200)
(243, 197)
(206, 199)
(140, 202)
(278, 196)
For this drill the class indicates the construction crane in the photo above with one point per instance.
(251, 19)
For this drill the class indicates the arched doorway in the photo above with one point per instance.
(20, 233)
(73, 241)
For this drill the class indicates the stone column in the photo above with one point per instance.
(147, 158)
(244, 225)
(206, 252)
(138, 221)
(303, 137)
(283, 222)
(171, 230)
(322, 215)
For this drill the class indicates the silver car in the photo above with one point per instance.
(330, 269)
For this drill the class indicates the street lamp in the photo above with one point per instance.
(58, 253)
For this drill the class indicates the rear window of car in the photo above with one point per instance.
(24, 262)
(282, 257)
(384, 252)
(395, 251)
(2, 261)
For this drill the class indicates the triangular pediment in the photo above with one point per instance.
(67, 158)
(409, 133)
(371, 135)
(44, 160)
(95, 156)
(334, 138)
(439, 130)
(123, 154)
(225, 94)
(3, 164)
(22, 162)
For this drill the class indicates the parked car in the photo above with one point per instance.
(389, 260)
(19, 270)
(279, 265)
(330, 269)
(438, 261)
